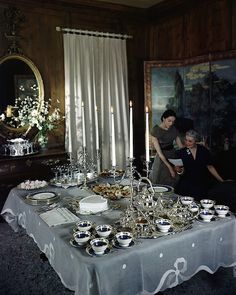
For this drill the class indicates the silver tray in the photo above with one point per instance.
(70, 184)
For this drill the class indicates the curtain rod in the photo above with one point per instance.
(93, 33)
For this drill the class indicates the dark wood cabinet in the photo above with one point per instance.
(14, 170)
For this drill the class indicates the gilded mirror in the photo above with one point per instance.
(19, 79)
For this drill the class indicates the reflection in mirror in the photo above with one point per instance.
(17, 80)
(20, 81)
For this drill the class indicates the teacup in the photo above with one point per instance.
(207, 203)
(81, 237)
(124, 238)
(104, 230)
(206, 215)
(193, 207)
(221, 210)
(84, 225)
(163, 225)
(99, 245)
(186, 200)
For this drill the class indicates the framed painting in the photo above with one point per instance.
(202, 91)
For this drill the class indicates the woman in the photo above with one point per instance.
(197, 161)
(163, 137)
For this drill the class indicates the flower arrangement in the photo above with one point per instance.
(34, 113)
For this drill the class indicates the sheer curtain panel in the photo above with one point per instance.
(96, 73)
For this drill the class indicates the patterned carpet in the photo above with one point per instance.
(23, 271)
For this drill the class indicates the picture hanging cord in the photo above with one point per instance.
(93, 33)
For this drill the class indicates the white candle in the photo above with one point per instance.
(83, 126)
(113, 143)
(96, 128)
(131, 148)
(69, 139)
(147, 136)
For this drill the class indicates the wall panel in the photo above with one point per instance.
(190, 29)
(44, 45)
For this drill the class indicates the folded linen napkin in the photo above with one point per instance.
(58, 216)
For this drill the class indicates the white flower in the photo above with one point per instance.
(2, 117)
(34, 113)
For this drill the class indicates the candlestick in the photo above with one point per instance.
(113, 144)
(147, 136)
(83, 126)
(96, 128)
(131, 148)
(9, 111)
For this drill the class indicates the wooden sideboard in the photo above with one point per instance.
(14, 170)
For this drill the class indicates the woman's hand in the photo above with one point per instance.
(179, 169)
(172, 172)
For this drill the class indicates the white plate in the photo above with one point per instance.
(160, 189)
(42, 196)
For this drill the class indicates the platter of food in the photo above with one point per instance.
(112, 191)
(32, 184)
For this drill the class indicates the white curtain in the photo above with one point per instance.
(96, 73)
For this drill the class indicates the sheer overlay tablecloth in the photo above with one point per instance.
(151, 265)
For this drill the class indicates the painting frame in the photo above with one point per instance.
(160, 66)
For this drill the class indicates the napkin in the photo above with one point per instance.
(176, 162)
(58, 216)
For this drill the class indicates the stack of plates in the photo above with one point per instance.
(41, 198)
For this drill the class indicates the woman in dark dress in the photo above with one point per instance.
(163, 137)
(197, 161)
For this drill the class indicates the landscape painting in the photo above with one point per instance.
(204, 93)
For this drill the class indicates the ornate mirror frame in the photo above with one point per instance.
(8, 131)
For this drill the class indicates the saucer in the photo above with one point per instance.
(223, 216)
(206, 221)
(91, 252)
(117, 245)
(169, 231)
(76, 245)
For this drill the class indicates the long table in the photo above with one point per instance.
(150, 266)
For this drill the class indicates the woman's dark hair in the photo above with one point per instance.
(168, 113)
